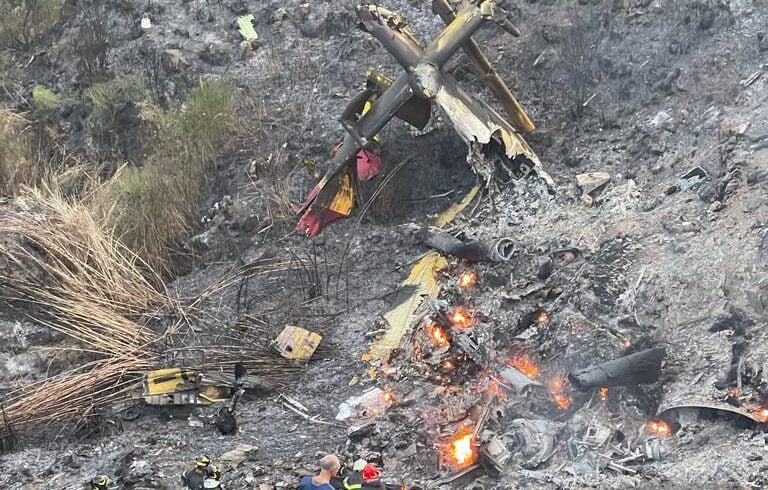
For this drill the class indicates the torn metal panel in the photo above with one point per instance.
(477, 123)
(246, 29)
(455, 209)
(180, 386)
(297, 343)
(421, 283)
(488, 74)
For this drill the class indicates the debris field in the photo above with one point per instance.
(557, 281)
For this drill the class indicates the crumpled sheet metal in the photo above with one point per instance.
(533, 440)
(700, 402)
(476, 122)
(706, 360)
(421, 282)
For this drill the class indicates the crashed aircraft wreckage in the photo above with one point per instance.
(495, 146)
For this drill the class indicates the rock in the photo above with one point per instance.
(238, 7)
(715, 206)
(592, 181)
(545, 266)
(265, 486)
(301, 12)
(246, 50)
(358, 432)
(239, 454)
(173, 60)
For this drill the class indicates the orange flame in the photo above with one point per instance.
(734, 392)
(556, 385)
(437, 334)
(467, 279)
(525, 365)
(760, 414)
(659, 428)
(460, 451)
(603, 393)
(495, 390)
(562, 400)
(388, 397)
(627, 343)
(461, 317)
(447, 365)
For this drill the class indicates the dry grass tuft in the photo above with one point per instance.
(73, 397)
(18, 166)
(82, 281)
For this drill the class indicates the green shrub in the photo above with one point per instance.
(23, 21)
(153, 206)
(115, 116)
(44, 98)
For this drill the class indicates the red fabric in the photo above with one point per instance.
(370, 472)
(368, 163)
(308, 201)
(315, 220)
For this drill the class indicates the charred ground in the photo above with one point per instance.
(642, 90)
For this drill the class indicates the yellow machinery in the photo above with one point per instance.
(181, 386)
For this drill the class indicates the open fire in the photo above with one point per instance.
(525, 365)
(467, 279)
(461, 317)
(760, 414)
(460, 451)
(659, 428)
(437, 335)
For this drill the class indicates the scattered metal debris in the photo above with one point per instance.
(500, 250)
(688, 180)
(297, 343)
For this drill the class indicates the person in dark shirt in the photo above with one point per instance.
(329, 467)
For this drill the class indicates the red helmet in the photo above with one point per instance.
(370, 472)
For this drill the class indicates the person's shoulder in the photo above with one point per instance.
(304, 482)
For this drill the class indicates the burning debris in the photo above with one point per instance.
(461, 317)
(525, 365)
(467, 279)
(659, 428)
(460, 451)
